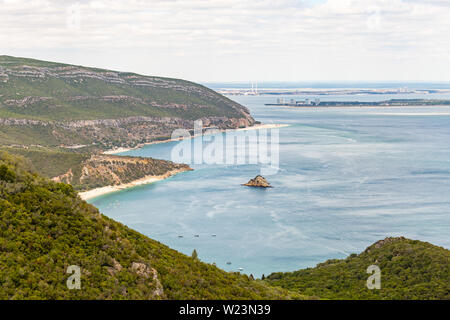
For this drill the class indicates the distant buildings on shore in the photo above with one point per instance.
(292, 102)
(384, 103)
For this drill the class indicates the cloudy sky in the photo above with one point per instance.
(237, 40)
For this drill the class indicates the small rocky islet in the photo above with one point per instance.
(259, 182)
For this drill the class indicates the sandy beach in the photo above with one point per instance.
(145, 180)
(90, 194)
(263, 126)
(255, 127)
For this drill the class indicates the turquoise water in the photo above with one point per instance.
(347, 178)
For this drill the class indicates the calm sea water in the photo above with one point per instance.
(348, 177)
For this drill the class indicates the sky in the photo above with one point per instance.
(237, 40)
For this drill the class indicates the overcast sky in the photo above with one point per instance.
(237, 40)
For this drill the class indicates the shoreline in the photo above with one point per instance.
(255, 127)
(94, 193)
(357, 107)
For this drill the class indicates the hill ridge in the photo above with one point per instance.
(410, 269)
(45, 228)
(48, 99)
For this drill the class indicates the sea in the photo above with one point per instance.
(347, 178)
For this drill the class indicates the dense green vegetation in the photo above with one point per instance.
(39, 135)
(77, 93)
(85, 171)
(59, 115)
(50, 162)
(58, 105)
(45, 228)
(410, 269)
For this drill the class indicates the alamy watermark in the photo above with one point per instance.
(374, 281)
(214, 147)
(74, 281)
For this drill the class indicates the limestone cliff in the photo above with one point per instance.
(104, 134)
(109, 170)
(52, 104)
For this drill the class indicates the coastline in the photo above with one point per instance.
(255, 127)
(359, 107)
(94, 193)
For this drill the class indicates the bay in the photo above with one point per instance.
(348, 177)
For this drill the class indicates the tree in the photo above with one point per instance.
(194, 255)
(6, 174)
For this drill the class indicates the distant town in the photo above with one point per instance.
(294, 103)
(387, 103)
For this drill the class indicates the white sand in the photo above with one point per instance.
(151, 179)
(255, 127)
(117, 150)
(108, 189)
(263, 126)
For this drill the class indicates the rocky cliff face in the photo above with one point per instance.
(106, 170)
(59, 104)
(109, 133)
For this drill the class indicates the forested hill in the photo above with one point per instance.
(59, 116)
(410, 269)
(52, 104)
(45, 228)
(33, 89)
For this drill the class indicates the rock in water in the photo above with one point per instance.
(258, 181)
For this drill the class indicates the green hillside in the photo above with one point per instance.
(59, 105)
(45, 228)
(50, 162)
(410, 269)
(85, 171)
(33, 89)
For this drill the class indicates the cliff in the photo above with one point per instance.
(61, 117)
(108, 170)
(45, 228)
(51, 104)
(87, 171)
